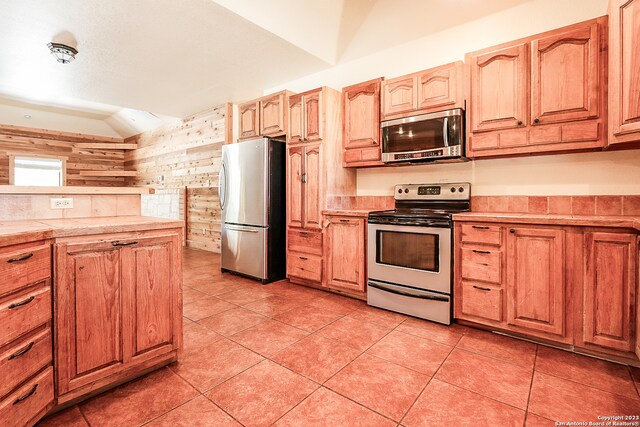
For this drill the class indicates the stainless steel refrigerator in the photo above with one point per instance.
(251, 188)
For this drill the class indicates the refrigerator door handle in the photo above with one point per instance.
(245, 230)
(222, 188)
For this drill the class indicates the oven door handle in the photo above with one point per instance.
(408, 294)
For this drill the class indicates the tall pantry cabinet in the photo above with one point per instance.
(314, 174)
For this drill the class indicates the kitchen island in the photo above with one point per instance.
(106, 291)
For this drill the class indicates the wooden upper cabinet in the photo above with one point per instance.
(565, 75)
(609, 292)
(296, 119)
(313, 116)
(361, 114)
(345, 248)
(536, 280)
(624, 75)
(273, 114)
(249, 121)
(313, 186)
(440, 88)
(499, 88)
(295, 171)
(399, 95)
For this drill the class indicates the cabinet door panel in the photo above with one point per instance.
(150, 289)
(609, 289)
(624, 70)
(313, 200)
(345, 260)
(362, 115)
(249, 119)
(565, 75)
(272, 115)
(499, 89)
(437, 89)
(313, 117)
(88, 333)
(294, 187)
(295, 119)
(535, 268)
(399, 95)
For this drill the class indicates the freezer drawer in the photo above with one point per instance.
(244, 250)
(414, 302)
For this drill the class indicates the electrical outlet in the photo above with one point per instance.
(61, 202)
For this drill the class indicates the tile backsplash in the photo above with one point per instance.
(573, 205)
(38, 206)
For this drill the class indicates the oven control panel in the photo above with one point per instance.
(449, 191)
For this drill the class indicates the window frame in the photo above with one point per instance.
(12, 164)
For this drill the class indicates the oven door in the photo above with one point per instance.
(415, 256)
(423, 137)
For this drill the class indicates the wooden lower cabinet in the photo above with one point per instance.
(118, 305)
(536, 280)
(609, 290)
(345, 246)
(572, 285)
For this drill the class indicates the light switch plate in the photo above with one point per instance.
(61, 202)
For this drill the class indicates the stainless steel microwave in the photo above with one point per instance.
(427, 137)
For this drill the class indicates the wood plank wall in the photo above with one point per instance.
(186, 154)
(21, 140)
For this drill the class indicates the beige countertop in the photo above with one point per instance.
(13, 232)
(348, 212)
(552, 219)
(54, 191)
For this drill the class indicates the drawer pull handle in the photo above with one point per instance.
(304, 258)
(20, 258)
(481, 288)
(23, 351)
(481, 252)
(117, 243)
(480, 227)
(512, 231)
(21, 303)
(303, 234)
(26, 396)
(344, 220)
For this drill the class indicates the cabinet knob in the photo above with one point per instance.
(536, 120)
(519, 122)
(512, 231)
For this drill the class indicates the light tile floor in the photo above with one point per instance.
(287, 355)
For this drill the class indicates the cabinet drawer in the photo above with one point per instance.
(24, 312)
(21, 406)
(22, 265)
(480, 233)
(23, 358)
(304, 266)
(482, 264)
(482, 301)
(308, 242)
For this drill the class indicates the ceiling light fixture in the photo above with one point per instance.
(63, 53)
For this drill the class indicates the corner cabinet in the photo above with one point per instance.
(119, 307)
(624, 78)
(361, 130)
(345, 245)
(541, 94)
(571, 285)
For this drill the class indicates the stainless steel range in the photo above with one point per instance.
(410, 253)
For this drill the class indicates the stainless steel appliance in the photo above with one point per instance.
(410, 261)
(251, 188)
(427, 137)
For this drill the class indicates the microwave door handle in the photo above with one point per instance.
(445, 131)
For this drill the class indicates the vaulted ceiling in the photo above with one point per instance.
(175, 58)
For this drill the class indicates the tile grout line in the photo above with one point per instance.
(533, 373)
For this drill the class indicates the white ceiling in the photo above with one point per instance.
(178, 57)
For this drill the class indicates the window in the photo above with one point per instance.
(37, 171)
